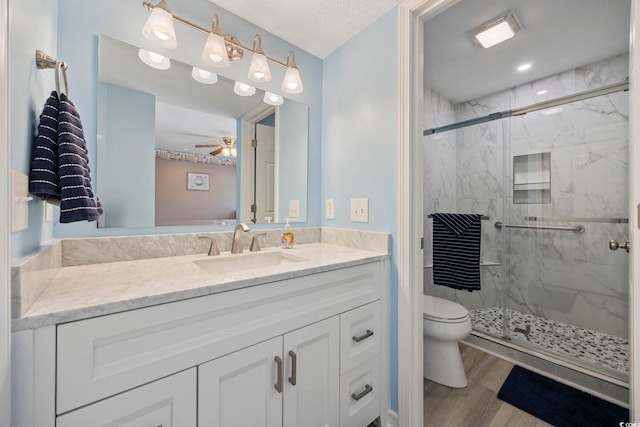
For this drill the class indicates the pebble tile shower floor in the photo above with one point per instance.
(595, 348)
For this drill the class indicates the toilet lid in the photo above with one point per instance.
(438, 308)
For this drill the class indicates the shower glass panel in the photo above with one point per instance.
(566, 291)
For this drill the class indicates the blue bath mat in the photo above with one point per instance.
(557, 403)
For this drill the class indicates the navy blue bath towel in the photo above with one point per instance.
(456, 250)
(43, 176)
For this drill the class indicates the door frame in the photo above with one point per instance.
(412, 14)
(5, 216)
(247, 134)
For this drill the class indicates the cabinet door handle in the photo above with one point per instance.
(367, 389)
(279, 374)
(292, 378)
(363, 336)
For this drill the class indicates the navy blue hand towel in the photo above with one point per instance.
(77, 200)
(43, 176)
(456, 250)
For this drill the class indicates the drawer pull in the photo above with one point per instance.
(292, 378)
(279, 374)
(363, 336)
(367, 389)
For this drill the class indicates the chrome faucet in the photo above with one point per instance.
(236, 243)
(213, 248)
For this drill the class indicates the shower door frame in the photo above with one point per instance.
(412, 14)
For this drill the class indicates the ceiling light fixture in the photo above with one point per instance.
(273, 99)
(154, 60)
(204, 76)
(159, 26)
(221, 48)
(524, 67)
(496, 30)
(243, 89)
(542, 92)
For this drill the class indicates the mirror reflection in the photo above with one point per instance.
(180, 146)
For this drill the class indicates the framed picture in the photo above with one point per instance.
(197, 181)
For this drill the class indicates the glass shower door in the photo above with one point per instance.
(566, 197)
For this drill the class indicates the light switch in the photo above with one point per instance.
(21, 198)
(330, 209)
(359, 210)
(294, 208)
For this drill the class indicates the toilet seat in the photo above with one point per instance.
(441, 310)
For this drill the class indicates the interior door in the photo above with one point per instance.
(265, 153)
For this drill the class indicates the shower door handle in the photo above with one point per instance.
(614, 245)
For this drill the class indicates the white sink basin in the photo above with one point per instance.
(247, 261)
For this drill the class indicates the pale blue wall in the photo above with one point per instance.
(29, 89)
(127, 143)
(360, 142)
(292, 150)
(79, 23)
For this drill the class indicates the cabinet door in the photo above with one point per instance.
(238, 390)
(312, 375)
(169, 402)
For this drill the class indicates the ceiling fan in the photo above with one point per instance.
(227, 150)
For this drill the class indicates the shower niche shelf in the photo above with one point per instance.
(532, 178)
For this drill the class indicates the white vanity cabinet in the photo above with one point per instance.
(215, 360)
(288, 381)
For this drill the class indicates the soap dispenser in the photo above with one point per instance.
(287, 236)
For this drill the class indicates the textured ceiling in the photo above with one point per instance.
(317, 26)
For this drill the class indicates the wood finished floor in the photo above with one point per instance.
(477, 405)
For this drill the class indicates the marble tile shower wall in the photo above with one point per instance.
(563, 276)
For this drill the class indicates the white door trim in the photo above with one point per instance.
(412, 15)
(5, 168)
(634, 231)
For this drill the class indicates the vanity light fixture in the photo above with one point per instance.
(221, 48)
(292, 82)
(215, 50)
(154, 60)
(204, 76)
(159, 26)
(496, 30)
(243, 89)
(273, 99)
(259, 68)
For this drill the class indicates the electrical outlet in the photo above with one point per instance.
(359, 210)
(330, 209)
(294, 208)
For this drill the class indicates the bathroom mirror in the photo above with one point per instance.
(152, 169)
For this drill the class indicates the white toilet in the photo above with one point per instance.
(444, 324)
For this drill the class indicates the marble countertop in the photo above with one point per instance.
(85, 291)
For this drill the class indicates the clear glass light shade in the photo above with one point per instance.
(273, 99)
(159, 29)
(215, 51)
(292, 82)
(259, 68)
(204, 76)
(154, 60)
(243, 89)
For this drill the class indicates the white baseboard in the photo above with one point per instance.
(392, 419)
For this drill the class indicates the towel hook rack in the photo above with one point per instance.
(44, 61)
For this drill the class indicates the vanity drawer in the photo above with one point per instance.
(103, 356)
(360, 335)
(169, 402)
(360, 394)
